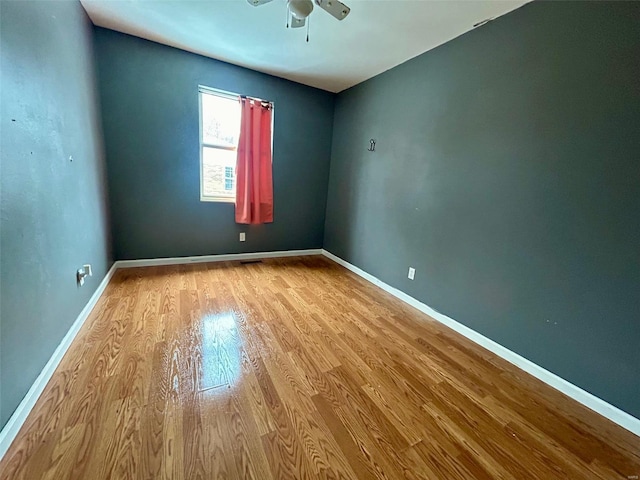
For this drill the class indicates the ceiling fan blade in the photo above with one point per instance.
(338, 9)
(296, 22)
(257, 3)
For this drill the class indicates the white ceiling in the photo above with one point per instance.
(376, 36)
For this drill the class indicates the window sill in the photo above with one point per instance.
(218, 199)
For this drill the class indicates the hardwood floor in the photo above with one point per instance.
(294, 369)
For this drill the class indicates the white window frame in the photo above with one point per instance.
(202, 90)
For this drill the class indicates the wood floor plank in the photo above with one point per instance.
(244, 439)
(349, 446)
(295, 368)
(218, 459)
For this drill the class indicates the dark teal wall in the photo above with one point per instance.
(53, 215)
(150, 115)
(507, 172)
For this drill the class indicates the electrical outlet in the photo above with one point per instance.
(83, 272)
(412, 273)
(243, 236)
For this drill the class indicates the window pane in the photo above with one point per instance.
(218, 172)
(220, 120)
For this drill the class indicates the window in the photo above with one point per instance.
(219, 132)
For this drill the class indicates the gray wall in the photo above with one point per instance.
(507, 172)
(150, 115)
(53, 210)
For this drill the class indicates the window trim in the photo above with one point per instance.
(201, 145)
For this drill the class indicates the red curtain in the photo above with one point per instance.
(254, 180)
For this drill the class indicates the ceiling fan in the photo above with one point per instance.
(299, 10)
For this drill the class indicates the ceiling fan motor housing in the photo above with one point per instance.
(300, 9)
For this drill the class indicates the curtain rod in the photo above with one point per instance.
(264, 103)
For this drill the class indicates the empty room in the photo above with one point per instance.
(316, 239)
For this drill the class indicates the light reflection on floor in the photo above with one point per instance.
(221, 346)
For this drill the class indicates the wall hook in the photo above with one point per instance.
(372, 147)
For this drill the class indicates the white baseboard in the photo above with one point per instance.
(589, 400)
(17, 419)
(215, 258)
